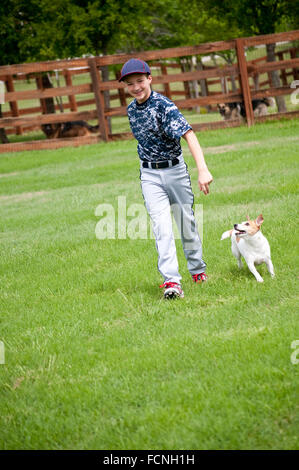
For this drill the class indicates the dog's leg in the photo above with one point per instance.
(236, 253)
(270, 267)
(240, 264)
(252, 268)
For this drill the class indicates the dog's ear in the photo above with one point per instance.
(260, 219)
(248, 218)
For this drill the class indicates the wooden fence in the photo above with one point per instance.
(21, 119)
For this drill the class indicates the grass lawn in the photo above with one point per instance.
(94, 357)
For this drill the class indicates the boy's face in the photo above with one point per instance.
(139, 86)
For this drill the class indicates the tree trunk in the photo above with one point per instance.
(47, 105)
(3, 136)
(49, 102)
(195, 86)
(203, 85)
(223, 85)
(281, 106)
(58, 98)
(256, 81)
(233, 82)
(185, 68)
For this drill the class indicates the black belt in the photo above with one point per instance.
(163, 164)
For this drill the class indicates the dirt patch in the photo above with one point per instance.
(228, 148)
(244, 145)
(7, 175)
(23, 196)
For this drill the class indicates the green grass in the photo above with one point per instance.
(94, 358)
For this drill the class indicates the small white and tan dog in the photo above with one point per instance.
(249, 242)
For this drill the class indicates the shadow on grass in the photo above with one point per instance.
(244, 272)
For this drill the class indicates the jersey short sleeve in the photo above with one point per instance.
(174, 123)
(158, 127)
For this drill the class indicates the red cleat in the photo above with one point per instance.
(199, 278)
(172, 290)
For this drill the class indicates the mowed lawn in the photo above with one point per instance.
(95, 358)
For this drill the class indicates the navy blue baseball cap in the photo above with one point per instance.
(134, 66)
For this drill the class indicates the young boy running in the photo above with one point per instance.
(158, 126)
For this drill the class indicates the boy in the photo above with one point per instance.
(158, 125)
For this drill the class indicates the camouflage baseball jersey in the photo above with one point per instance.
(158, 126)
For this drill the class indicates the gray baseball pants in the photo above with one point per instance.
(169, 190)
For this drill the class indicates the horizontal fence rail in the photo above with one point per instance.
(195, 85)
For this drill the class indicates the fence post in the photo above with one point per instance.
(244, 82)
(121, 91)
(99, 99)
(13, 104)
(72, 98)
(167, 91)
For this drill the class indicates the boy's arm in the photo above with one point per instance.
(204, 176)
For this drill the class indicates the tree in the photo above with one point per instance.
(259, 17)
(51, 29)
(11, 34)
(36, 30)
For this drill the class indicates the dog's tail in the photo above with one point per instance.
(227, 234)
(269, 101)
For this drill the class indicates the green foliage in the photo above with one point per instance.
(177, 23)
(49, 29)
(256, 16)
(15, 17)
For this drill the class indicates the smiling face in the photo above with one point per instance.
(139, 86)
(249, 227)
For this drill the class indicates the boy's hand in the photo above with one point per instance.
(204, 179)
(204, 176)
